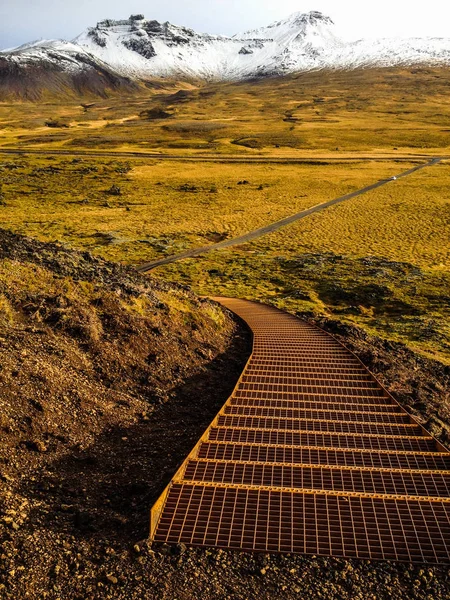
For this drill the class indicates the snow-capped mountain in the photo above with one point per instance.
(145, 48)
(56, 67)
(139, 48)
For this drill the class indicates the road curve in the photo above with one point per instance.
(282, 223)
(310, 455)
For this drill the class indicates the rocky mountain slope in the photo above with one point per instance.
(57, 67)
(141, 49)
(107, 380)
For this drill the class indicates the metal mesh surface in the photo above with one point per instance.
(310, 455)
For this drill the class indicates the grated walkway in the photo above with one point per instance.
(310, 455)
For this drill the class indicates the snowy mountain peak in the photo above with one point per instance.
(299, 28)
(143, 48)
(138, 27)
(314, 17)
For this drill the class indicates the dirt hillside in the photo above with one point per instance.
(107, 380)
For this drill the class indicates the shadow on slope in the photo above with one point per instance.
(106, 490)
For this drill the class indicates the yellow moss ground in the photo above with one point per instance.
(402, 110)
(167, 206)
(134, 210)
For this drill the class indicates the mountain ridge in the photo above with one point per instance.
(141, 49)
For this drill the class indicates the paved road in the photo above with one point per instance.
(210, 158)
(310, 455)
(244, 160)
(282, 223)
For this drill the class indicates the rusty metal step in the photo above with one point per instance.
(329, 415)
(400, 459)
(318, 425)
(319, 524)
(310, 405)
(310, 454)
(322, 440)
(367, 480)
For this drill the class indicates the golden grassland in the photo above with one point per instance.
(394, 300)
(166, 206)
(369, 110)
(380, 261)
(407, 220)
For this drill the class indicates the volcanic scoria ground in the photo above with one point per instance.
(107, 380)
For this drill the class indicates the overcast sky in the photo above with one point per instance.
(25, 20)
